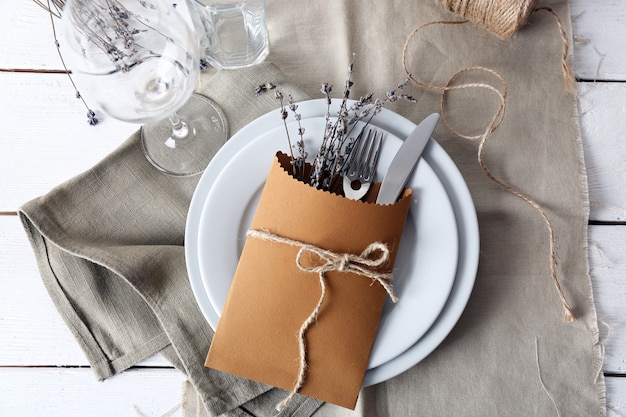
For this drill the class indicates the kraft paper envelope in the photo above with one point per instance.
(270, 296)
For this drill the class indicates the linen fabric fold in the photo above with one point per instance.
(109, 246)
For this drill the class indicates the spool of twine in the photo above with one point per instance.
(501, 17)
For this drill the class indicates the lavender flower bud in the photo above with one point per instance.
(91, 118)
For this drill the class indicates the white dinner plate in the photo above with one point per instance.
(447, 174)
(425, 267)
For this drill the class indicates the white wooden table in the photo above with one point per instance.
(45, 140)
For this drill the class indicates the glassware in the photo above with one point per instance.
(140, 60)
(233, 33)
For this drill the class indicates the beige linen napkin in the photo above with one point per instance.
(109, 244)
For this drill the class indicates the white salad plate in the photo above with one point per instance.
(437, 258)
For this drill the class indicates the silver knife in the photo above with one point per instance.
(405, 160)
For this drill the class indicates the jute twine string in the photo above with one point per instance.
(501, 17)
(568, 76)
(493, 125)
(365, 264)
(504, 18)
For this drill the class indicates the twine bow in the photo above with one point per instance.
(361, 264)
(364, 264)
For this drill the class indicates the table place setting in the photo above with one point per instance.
(315, 224)
(299, 249)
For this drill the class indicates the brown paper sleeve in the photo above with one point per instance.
(270, 297)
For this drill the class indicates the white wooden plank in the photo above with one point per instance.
(599, 28)
(607, 246)
(32, 332)
(45, 136)
(602, 108)
(61, 392)
(616, 396)
(26, 33)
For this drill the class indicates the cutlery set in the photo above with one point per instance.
(360, 168)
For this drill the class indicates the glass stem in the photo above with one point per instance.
(180, 130)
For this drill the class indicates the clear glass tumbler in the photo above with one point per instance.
(233, 33)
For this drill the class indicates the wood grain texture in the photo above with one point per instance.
(45, 130)
(607, 246)
(26, 33)
(616, 396)
(63, 392)
(602, 109)
(599, 29)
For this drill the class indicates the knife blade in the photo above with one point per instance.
(405, 160)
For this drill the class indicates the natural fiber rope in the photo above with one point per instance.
(501, 17)
(493, 125)
(330, 261)
(504, 18)
(568, 77)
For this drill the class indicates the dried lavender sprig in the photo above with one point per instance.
(316, 174)
(326, 90)
(361, 109)
(333, 133)
(343, 108)
(337, 142)
(58, 6)
(283, 115)
(299, 161)
(259, 89)
(315, 178)
(117, 41)
(91, 115)
(108, 28)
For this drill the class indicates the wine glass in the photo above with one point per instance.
(140, 60)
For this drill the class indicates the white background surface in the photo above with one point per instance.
(45, 140)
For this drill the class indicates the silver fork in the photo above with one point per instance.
(361, 165)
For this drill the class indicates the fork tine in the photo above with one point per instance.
(361, 164)
(356, 155)
(372, 157)
(364, 154)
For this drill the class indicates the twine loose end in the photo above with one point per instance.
(279, 407)
(569, 317)
(569, 81)
(363, 264)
